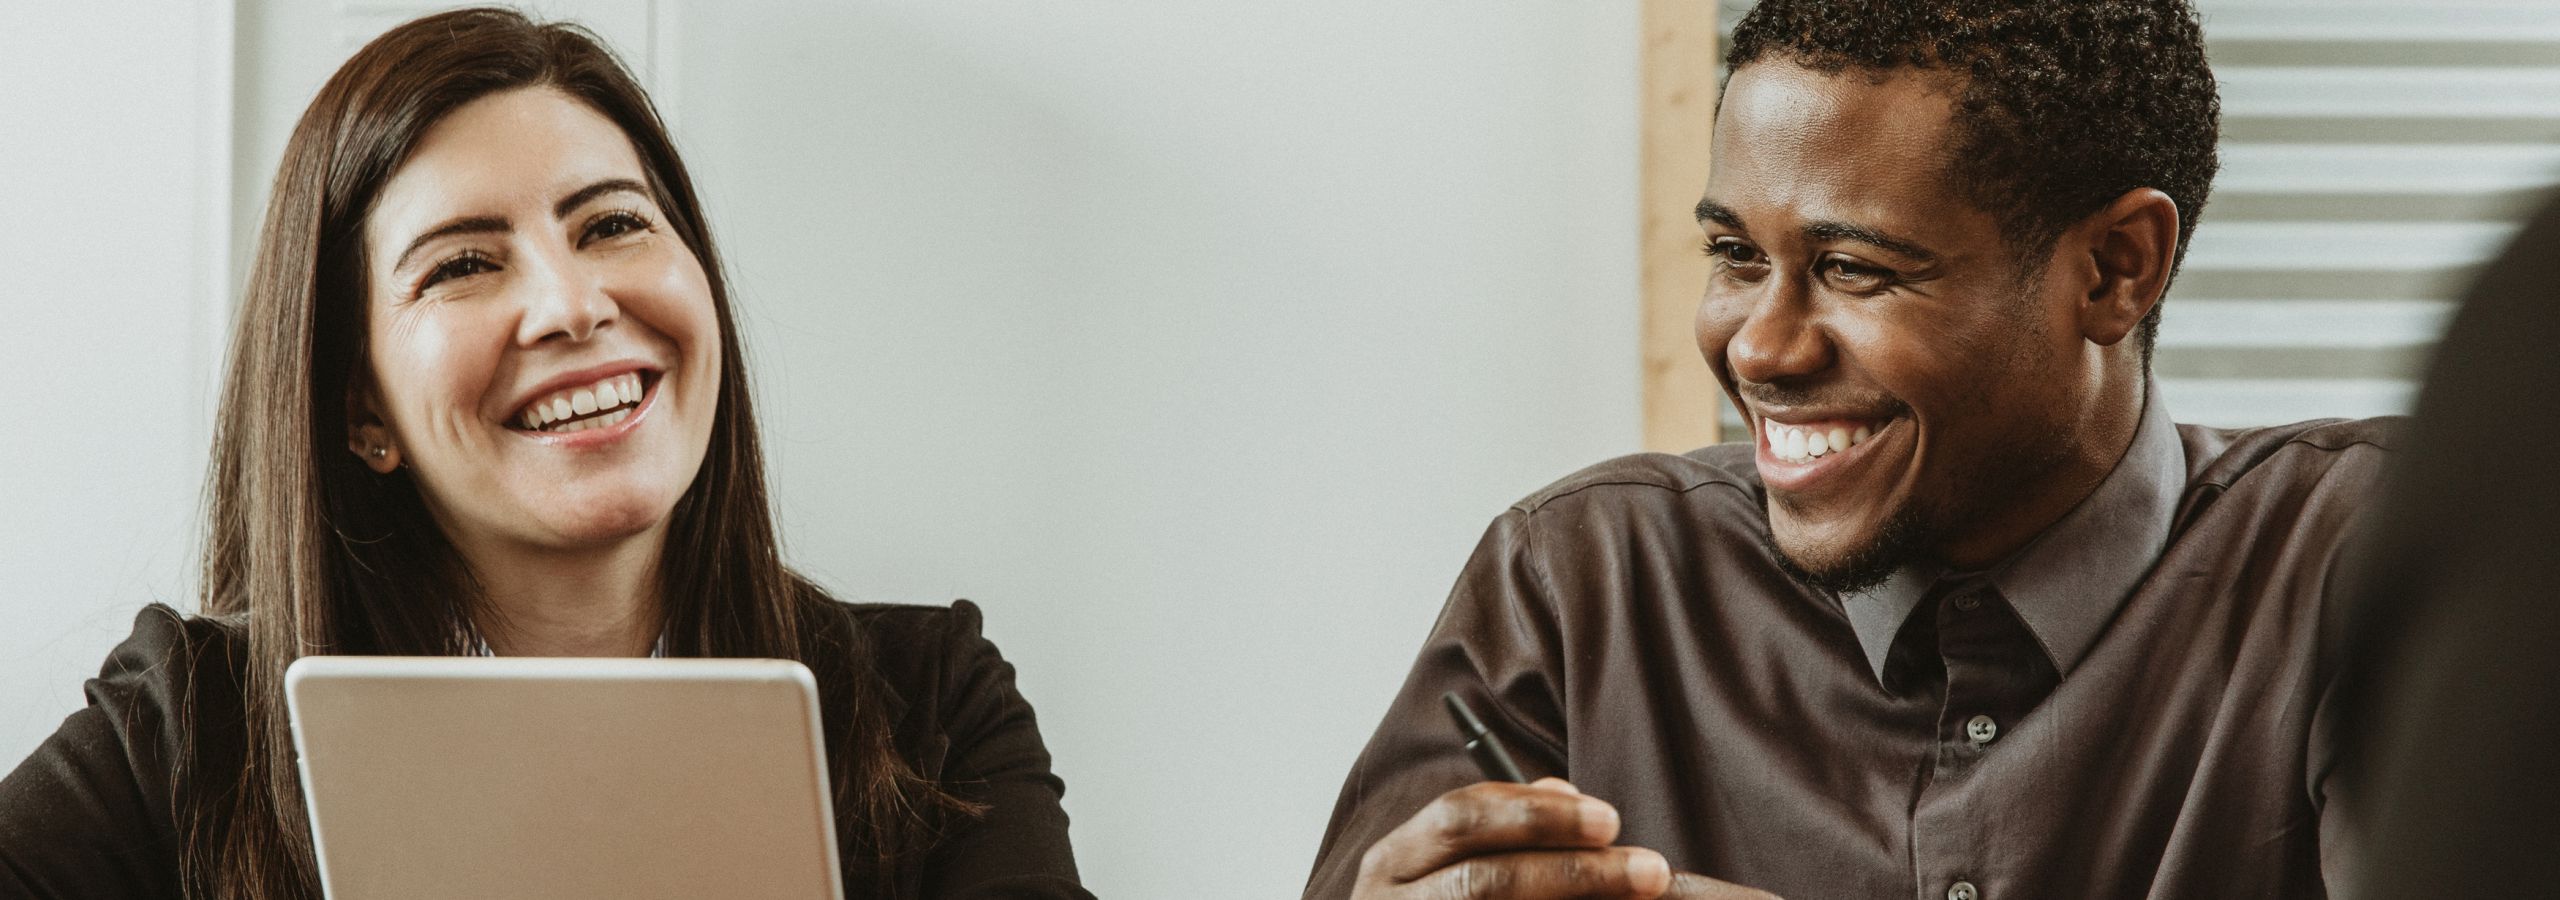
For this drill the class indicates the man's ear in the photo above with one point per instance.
(2131, 245)
(368, 431)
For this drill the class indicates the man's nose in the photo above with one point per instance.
(1779, 339)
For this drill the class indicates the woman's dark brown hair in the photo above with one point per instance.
(310, 552)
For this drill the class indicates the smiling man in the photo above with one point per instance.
(1970, 616)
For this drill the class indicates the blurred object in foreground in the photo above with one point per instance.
(2449, 710)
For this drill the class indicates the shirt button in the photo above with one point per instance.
(1963, 890)
(1980, 730)
(1968, 603)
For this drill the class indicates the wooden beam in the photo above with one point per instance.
(1680, 64)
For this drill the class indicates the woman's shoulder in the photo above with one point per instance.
(936, 660)
(99, 792)
(172, 658)
(915, 623)
(917, 648)
(175, 679)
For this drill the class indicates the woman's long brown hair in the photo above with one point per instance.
(310, 552)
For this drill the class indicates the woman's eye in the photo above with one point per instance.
(614, 225)
(463, 266)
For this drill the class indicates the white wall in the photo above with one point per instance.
(1196, 341)
(113, 152)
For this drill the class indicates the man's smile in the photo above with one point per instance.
(1813, 451)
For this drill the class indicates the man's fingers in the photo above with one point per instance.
(1558, 785)
(1688, 886)
(1488, 818)
(1608, 873)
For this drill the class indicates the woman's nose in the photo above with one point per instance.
(565, 300)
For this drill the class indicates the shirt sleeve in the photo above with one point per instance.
(1497, 646)
(88, 814)
(1018, 848)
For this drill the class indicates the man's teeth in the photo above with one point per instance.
(1797, 444)
(597, 405)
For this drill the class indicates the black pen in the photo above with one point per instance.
(1482, 745)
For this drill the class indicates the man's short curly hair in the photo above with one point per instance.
(2064, 106)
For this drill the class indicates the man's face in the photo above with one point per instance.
(1901, 380)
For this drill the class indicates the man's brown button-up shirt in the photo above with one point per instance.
(2124, 708)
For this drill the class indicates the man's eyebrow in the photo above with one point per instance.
(580, 196)
(1829, 230)
(464, 225)
(1824, 230)
(1711, 211)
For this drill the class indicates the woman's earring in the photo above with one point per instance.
(374, 450)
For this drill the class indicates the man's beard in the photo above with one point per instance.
(1919, 531)
(1906, 537)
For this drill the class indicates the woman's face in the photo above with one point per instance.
(544, 354)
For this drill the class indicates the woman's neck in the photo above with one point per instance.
(539, 602)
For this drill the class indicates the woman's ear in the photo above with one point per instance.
(368, 432)
(2132, 242)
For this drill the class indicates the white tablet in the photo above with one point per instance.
(564, 778)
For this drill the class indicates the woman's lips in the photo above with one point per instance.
(580, 406)
(593, 429)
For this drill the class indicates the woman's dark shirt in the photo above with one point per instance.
(90, 814)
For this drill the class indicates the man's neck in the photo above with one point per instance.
(2086, 463)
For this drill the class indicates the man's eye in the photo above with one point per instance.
(1735, 253)
(1854, 276)
(466, 265)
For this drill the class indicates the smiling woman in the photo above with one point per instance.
(486, 395)
(517, 276)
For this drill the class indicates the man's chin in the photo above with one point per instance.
(1847, 563)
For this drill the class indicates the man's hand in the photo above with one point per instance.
(1543, 841)
(1687, 886)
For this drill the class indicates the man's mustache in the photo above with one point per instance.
(1816, 397)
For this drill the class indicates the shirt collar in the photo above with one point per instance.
(2067, 584)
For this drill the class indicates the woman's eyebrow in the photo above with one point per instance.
(464, 225)
(580, 196)
(495, 224)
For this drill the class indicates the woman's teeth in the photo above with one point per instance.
(610, 418)
(606, 402)
(1795, 443)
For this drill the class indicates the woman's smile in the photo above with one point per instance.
(591, 411)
